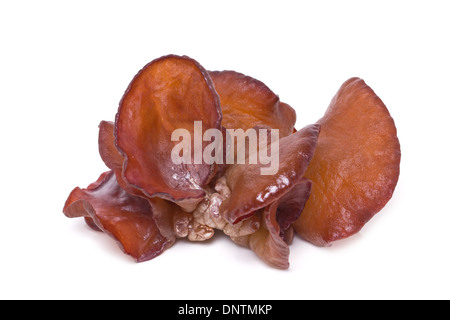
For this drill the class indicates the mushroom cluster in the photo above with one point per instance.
(331, 177)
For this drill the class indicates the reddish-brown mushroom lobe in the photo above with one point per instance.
(271, 240)
(108, 151)
(112, 158)
(355, 168)
(251, 190)
(126, 218)
(290, 208)
(248, 103)
(168, 216)
(170, 93)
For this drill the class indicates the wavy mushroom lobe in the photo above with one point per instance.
(169, 93)
(355, 168)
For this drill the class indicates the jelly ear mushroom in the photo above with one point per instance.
(355, 167)
(251, 191)
(271, 241)
(112, 158)
(169, 93)
(128, 219)
(247, 103)
(108, 151)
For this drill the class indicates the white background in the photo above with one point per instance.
(65, 65)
